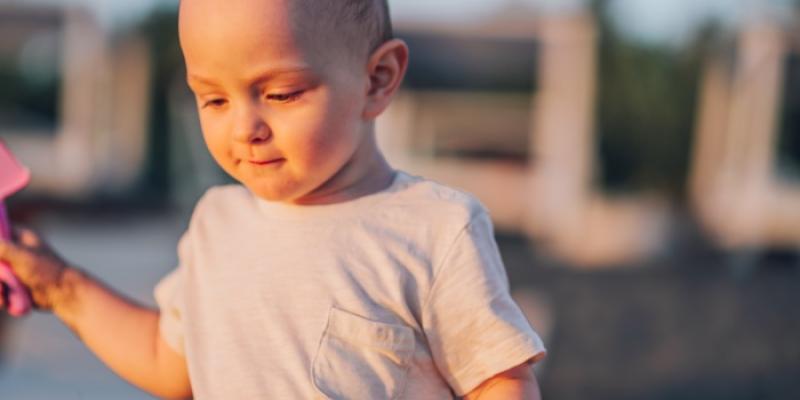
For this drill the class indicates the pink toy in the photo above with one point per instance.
(13, 177)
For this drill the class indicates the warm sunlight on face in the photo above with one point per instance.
(280, 116)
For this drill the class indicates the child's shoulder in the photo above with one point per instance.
(428, 198)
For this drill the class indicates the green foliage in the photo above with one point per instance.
(645, 110)
(25, 104)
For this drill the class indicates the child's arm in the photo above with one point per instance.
(124, 335)
(516, 383)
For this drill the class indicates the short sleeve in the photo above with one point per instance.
(169, 294)
(474, 328)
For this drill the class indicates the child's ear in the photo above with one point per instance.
(386, 68)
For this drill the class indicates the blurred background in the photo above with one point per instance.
(640, 158)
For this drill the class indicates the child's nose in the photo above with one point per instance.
(251, 127)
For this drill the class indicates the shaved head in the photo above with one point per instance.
(363, 24)
(360, 26)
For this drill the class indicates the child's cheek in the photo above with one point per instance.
(216, 140)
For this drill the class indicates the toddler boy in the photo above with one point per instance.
(326, 274)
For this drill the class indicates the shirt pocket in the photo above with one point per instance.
(362, 359)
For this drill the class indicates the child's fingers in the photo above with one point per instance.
(26, 237)
(11, 253)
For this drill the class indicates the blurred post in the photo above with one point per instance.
(566, 214)
(735, 189)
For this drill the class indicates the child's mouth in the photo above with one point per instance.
(267, 162)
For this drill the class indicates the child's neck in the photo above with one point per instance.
(366, 173)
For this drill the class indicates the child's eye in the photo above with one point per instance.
(215, 103)
(285, 97)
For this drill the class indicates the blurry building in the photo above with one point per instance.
(464, 114)
(74, 106)
(506, 110)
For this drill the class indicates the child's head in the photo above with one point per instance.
(288, 90)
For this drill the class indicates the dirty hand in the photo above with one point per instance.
(36, 266)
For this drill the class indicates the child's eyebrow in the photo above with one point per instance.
(273, 73)
(266, 76)
(199, 79)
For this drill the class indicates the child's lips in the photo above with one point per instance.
(267, 162)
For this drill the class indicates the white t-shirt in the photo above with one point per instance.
(400, 294)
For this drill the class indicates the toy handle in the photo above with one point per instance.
(19, 301)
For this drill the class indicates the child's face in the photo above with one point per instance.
(280, 113)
